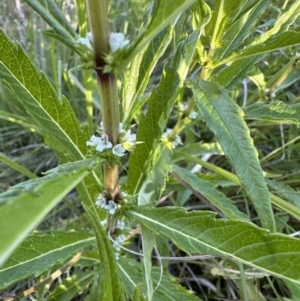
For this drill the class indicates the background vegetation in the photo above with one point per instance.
(204, 174)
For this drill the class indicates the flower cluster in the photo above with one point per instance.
(175, 142)
(116, 41)
(87, 41)
(126, 138)
(192, 115)
(111, 207)
(272, 95)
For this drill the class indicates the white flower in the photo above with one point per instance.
(120, 225)
(87, 41)
(118, 241)
(105, 143)
(129, 138)
(94, 141)
(193, 115)
(121, 130)
(111, 207)
(117, 40)
(166, 133)
(101, 143)
(175, 142)
(118, 150)
(101, 201)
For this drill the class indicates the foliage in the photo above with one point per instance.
(199, 115)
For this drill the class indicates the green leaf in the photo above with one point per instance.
(40, 252)
(109, 280)
(206, 189)
(282, 40)
(155, 182)
(225, 119)
(278, 110)
(137, 294)
(148, 242)
(25, 205)
(49, 11)
(20, 120)
(72, 286)
(200, 232)
(249, 13)
(14, 165)
(277, 201)
(285, 191)
(56, 118)
(160, 105)
(164, 12)
(283, 22)
(137, 77)
(232, 75)
(168, 289)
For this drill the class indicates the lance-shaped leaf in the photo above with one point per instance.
(206, 189)
(278, 110)
(164, 12)
(40, 252)
(200, 232)
(276, 42)
(232, 75)
(137, 77)
(55, 117)
(24, 206)
(62, 30)
(249, 13)
(160, 105)
(225, 119)
(283, 23)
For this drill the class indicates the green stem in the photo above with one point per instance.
(97, 12)
(110, 119)
(98, 18)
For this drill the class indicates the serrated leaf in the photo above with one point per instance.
(56, 118)
(39, 253)
(49, 11)
(215, 197)
(164, 13)
(200, 232)
(279, 41)
(109, 280)
(160, 104)
(168, 290)
(225, 119)
(278, 110)
(25, 205)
